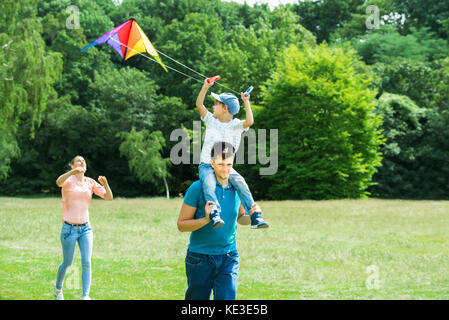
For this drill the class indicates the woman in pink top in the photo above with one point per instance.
(77, 192)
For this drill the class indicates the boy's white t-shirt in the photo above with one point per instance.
(217, 131)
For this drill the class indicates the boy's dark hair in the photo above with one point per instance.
(223, 149)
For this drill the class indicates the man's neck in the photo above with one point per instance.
(223, 182)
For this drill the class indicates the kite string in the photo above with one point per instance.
(176, 61)
(180, 63)
(154, 60)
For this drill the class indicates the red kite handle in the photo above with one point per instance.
(213, 79)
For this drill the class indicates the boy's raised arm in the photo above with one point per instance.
(200, 100)
(249, 121)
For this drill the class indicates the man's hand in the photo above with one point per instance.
(254, 208)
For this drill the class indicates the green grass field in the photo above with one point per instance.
(347, 249)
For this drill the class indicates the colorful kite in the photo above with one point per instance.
(128, 40)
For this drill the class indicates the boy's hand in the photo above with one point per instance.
(208, 84)
(249, 121)
(208, 208)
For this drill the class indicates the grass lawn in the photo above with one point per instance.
(346, 249)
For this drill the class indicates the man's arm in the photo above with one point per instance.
(249, 121)
(201, 96)
(242, 218)
(186, 221)
(245, 219)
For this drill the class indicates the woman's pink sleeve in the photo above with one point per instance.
(98, 189)
(66, 183)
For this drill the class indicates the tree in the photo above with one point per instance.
(324, 17)
(403, 128)
(143, 151)
(192, 41)
(322, 102)
(92, 16)
(27, 72)
(79, 69)
(248, 56)
(434, 170)
(364, 18)
(394, 74)
(430, 13)
(49, 115)
(419, 45)
(415, 125)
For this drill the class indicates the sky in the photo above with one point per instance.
(271, 3)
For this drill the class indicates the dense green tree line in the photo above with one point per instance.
(359, 111)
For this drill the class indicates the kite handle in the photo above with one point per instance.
(248, 91)
(213, 79)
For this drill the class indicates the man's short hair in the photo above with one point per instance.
(223, 149)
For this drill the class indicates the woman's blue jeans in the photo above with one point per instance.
(209, 183)
(212, 272)
(69, 236)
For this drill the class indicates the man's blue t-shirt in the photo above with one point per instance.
(208, 240)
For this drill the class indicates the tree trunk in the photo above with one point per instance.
(166, 188)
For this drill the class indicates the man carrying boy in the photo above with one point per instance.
(220, 126)
(212, 260)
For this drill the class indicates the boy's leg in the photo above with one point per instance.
(209, 183)
(246, 197)
(242, 188)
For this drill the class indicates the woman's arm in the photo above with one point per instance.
(63, 177)
(104, 183)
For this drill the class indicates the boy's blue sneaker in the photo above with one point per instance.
(216, 220)
(257, 222)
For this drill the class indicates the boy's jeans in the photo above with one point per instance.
(209, 183)
(69, 236)
(212, 272)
